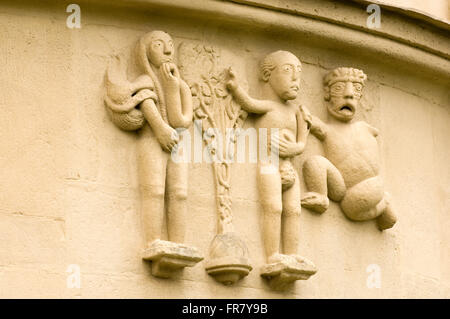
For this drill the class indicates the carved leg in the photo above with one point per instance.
(152, 211)
(387, 219)
(176, 193)
(284, 269)
(269, 185)
(151, 167)
(298, 267)
(365, 200)
(168, 257)
(291, 218)
(322, 180)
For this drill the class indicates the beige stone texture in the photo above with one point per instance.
(437, 8)
(69, 184)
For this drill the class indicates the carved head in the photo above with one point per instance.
(281, 69)
(343, 89)
(159, 46)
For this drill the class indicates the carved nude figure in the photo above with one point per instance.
(349, 172)
(160, 102)
(279, 187)
(157, 172)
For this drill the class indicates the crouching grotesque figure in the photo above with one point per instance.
(349, 172)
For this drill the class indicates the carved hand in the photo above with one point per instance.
(232, 84)
(287, 148)
(167, 137)
(170, 76)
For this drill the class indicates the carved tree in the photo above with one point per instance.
(220, 117)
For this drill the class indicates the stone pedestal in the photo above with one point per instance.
(228, 270)
(168, 258)
(282, 273)
(228, 261)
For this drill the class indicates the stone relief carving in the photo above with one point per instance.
(349, 172)
(217, 112)
(279, 186)
(148, 95)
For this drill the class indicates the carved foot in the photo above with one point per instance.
(386, 220)
(315, 202)
(305, 262)
(228, 261)
(285, 269)
(168, 258)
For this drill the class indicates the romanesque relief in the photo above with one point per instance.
(217, 114)
(349, 172)
(148, 95)
(287, 126)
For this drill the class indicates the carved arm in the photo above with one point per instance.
(248, 103)
(165, 134)
(318, 128)
(304, 122)
(178, 97)
(179, 106)
(286, 146)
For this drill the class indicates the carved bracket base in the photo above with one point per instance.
(168, 258)
(228, 261)
(228, 270)
(282, 273)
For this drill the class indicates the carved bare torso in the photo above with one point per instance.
(353, 149)
(281, 117)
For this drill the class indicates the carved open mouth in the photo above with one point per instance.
(346, 109)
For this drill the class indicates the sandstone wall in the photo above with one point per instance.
(68, 179)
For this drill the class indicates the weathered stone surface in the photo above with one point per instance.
(288, 270)
(168, 257)
(69, 178)
(228, 259)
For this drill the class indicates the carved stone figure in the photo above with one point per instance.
(279, 187)
(217, 111)
(156, 101)
(349, 172)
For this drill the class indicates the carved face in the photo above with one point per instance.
(344, 99)
(285, 78)
(160, 49)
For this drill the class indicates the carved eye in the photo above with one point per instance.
(337, 87)
(157, 44)
(287, 68)
(357, 86)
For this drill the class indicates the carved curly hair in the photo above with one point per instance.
(342, 74)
